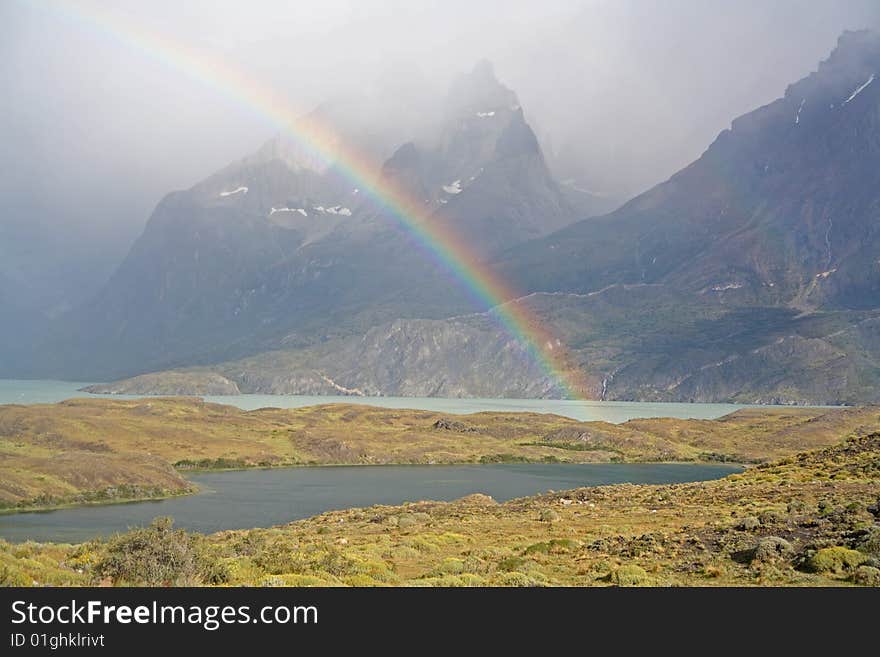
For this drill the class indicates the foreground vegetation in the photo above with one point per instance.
(101, 450)
(812, 519)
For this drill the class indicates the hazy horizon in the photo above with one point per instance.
(622, 94)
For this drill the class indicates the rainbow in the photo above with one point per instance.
(438, 240)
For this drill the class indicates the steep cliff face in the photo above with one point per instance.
(627, 342)
(781, 209)
(483, 172)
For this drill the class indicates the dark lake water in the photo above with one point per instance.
(261, 498)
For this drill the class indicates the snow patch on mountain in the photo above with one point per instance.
(238, 190)
(335, 209)
(860, 89)
(727, 286)
(453, 188)
(300, 210)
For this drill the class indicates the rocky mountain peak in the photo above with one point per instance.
(855, 47)
(479, 93)
(294, 153)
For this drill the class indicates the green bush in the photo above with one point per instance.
(630, 575)
(511, 564)
(158, 555)
(10, 576)
(835, 560)
(866, 576)
(465, 579)
(278, 557)
(514, 579)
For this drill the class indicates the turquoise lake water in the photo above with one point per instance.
(42, 392)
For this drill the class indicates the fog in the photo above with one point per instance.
(621, 92)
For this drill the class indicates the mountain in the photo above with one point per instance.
(484, 171)
(645, 342)
(780, 210)
(751, 275)
(281, 249)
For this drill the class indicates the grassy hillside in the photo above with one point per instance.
(806, 520)
(87, 450)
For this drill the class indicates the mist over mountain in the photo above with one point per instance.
(780, 209)
(757, 257)
(751, 275)
(621, 94)
(281, 249)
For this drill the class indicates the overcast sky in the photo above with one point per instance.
(625, 92)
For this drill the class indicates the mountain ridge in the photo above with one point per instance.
(278, 249)
(748, 276)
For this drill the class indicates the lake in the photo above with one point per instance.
(43, 392)
(261, 498)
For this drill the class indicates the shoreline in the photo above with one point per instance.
(10, 511)
(196, 489)
(811, 510)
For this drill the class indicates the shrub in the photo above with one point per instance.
(402, 552)
(771, 548)
(511, 564)
(11, 576)
(361, 580)
(422, 544)
(307, 580)
(515, 579)
(748, 524)
(158, 555)
(279, 557)
(602, 567)
(564, 544)
(630, 575)
(769, 517)
(537, 548)
(866, 576)
(550, 515)
(465, 579)
(870, 544)
(405, 520)
(249, 544)
(84, 556)
(451, 566)
(834, 560)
